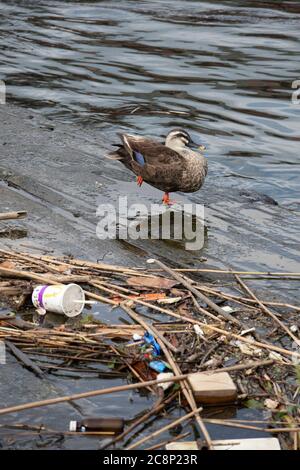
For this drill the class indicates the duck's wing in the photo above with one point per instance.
(152, 160)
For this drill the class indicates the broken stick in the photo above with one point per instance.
(195, 291)
(13, 215)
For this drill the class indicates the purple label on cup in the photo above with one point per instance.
(40, 296)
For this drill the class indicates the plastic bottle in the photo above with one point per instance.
(105, 425)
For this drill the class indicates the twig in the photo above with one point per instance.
(248, 365)
(13, 215)
(28, 363)
(196, 292)
(229, 423)
(245, 300)
(205, 325)
(186, 388)
(267, 310)
(93, 393)
(164, 443)
(150, 328)
(228, 271)
(205, 312)
(165, 428)
(158, 406)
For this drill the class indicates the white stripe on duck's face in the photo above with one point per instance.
(177, 139)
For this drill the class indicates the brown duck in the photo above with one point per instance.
(170, 167)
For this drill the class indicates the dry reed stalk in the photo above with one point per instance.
(29, 259)
(205, 312)
(165, 428)
(191, 288)
(205, 325)
(233, 424)
(134, 372)
(248, 365)
(245, 300)
(228, 271)
(159, 405)
(88, 264)
(93, 393)
(186, 388)
(13, 215)
(267, 310)
(168, 441)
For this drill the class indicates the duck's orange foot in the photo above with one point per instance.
(166, 200)
(139, 180)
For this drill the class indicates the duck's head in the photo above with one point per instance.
(177, 139)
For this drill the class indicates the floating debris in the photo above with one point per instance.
(196, 353)
(211, 388)
(59, 298)
(263, 443)
(101, 425)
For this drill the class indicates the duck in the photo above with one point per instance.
(171, 166)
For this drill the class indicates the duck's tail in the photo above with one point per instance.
(114, 156)
(124, 151)
(117, 154)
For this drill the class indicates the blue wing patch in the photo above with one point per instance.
(139, 158)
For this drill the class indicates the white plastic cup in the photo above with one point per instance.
(59, 298)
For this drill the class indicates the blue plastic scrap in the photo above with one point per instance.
(151, 340)
(158, 366)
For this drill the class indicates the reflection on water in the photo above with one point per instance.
(221, 69)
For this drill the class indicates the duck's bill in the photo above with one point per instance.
(196, 146)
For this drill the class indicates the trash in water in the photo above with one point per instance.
(105, 425)
(150, 340)
(158, 366)
(165, 375)
(59, 298)
(116, 350)
(198, 330)
(137, 337)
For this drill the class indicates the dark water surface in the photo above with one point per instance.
(221, 69)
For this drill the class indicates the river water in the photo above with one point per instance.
(222, 69)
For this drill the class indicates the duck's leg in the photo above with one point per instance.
(166, 199)
(139, 180)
